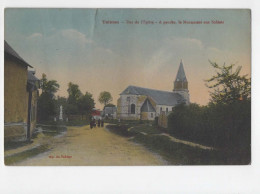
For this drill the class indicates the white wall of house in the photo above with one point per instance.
(163, 108)
(125, 107)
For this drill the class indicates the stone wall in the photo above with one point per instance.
(163, 120)
(15, 132)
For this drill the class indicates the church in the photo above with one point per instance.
(137, 103)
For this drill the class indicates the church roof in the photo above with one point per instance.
(147, 106)
(160, 97)
(12, 53)
(181, 74)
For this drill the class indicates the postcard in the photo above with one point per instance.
(127, 87)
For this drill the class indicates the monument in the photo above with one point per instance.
(61, 117)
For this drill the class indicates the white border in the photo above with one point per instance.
(168, 179)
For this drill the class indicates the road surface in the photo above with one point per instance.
(95, 147)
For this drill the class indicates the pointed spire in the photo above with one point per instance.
(181, 77)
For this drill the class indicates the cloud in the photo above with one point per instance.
(35, 35)
(74, 36)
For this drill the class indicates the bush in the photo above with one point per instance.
(226, 126)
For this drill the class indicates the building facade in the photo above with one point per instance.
(20, 97)
(109, 112)
(143, 103)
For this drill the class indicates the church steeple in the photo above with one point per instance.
(181, 82)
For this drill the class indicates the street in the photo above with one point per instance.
(84, 146)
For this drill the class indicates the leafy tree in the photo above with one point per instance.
(86, 104)
(46, 101)
(228, 86)
(74, 93)
(105, 97)
(110, 105)
(78, 103)
(50, 87)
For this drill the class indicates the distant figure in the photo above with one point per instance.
(94, 122)
(98, 122)
(102, 123)
(91, 124)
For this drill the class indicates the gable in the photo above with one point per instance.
(147, 106)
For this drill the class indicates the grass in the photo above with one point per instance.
(145, 129)
(9, 160)
(127, 122)
(13, 145)
(47, 129)
(178, 153)
(121, 130)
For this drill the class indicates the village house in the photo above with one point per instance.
(109, 112)
(20, 97)
(96, 114)
(143, 103)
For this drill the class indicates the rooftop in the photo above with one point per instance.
(181, 74)
(160, 97)
(12, 53)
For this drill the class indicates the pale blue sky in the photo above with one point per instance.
(74, 45)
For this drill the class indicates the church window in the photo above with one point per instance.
(166, 110)
(151, 115)
(132, 108)
(172, 108)
(161, 110)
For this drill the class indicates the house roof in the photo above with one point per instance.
(9, 51)
(147, 106)
(181, 74)
(160, 97)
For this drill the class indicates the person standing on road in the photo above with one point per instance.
(102, 123)
(94, 123)
(91, 124)
(98, 122)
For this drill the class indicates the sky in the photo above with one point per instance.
(74, 45)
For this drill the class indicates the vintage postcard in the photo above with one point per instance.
(127, 87)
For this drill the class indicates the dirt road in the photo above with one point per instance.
(84, 146)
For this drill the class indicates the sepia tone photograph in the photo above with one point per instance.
(127, 87)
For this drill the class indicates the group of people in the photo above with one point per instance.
(94, 124)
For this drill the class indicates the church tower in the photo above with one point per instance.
(181, 84)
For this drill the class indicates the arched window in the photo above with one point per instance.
(166, 110)
(161, 110)
(132, 108)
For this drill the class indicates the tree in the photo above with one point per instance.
(105, 97)
(228, 86)
(74, 93)
(110, 105)
(50, 87)
(86, 104)
(46, 102)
